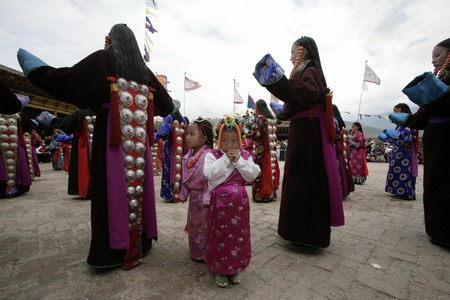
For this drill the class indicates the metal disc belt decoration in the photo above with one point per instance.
(9, 142)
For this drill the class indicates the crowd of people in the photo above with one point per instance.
(113, 161)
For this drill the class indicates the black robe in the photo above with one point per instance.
(9, 104)
(86, 85)
(70, 125)
(305, 202)
(436, 177)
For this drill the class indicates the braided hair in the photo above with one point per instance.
(312, 53)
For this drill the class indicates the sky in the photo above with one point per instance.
(216, 42)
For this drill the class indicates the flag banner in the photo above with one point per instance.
(250, 102)
(370, 76)
(148, 39)
(365, 88)
(190, 85)
(237, 97)
(149, 49)
(150, 13)
(146, 54)
(367, 115)
(163, 80)
(152, 4)
(149, 26)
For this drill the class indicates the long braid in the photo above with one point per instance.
(298, 59)
(440, 73)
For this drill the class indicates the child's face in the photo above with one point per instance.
(195, 137)
(229, 140)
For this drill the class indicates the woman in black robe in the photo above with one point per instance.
(434, 119)
(88, 84)
(311, 200)
(78, 181)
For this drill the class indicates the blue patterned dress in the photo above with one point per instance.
(401, 177)
(165, 133)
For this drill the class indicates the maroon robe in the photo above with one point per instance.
(434, 118)
(86, 85)
(305, 201)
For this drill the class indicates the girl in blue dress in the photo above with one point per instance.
(401, 177)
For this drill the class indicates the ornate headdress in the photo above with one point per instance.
(228, 124)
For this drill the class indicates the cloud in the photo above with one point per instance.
(218, 41)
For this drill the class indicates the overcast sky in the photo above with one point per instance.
(218, 41)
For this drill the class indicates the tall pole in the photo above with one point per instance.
(184, 95)
(234, 91)
(362, 89)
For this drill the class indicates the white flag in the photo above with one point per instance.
(370, 76)
(365, 88)
(237, 97)
(152, 4)
(190, 85)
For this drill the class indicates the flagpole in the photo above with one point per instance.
(362, 88)
(184, 94)
(234, 89)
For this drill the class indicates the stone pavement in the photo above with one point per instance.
(45, 235)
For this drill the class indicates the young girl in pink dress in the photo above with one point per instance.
(227, 169)
(358, 163)
(195, 187)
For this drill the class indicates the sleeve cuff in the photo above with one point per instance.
(268, 71)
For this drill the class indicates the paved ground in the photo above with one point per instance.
(44, 240)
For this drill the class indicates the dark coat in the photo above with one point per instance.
(305, 202)
(436, 178)
(86, 85)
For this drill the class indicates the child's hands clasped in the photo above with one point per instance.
(233, 155)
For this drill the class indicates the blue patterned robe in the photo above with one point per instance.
(401, 180)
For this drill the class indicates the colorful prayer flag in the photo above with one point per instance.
(370, 76)
(146, 54)
(149, 26)
(163, 80)
(250, 102)
(190, 85)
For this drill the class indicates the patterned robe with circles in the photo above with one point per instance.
(400, 180)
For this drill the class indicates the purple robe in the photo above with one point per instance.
(229, 248)
(195, 187)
